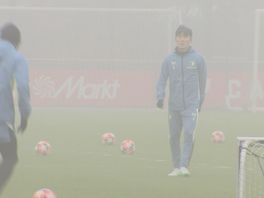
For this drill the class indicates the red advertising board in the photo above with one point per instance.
(91, 87)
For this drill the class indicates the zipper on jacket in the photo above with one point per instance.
(182, 71)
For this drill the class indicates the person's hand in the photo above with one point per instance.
(23, 125)
(199, 108)
(160, 104)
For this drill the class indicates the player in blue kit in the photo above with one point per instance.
(13, 68)
(185, 70)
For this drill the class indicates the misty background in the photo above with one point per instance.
(222, 29)
(136, 35)
(106, 54)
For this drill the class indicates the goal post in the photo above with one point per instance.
(250, 167)
(257, 90)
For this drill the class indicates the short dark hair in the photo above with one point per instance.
(182, 29)
(11, 33)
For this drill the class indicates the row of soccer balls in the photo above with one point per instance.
(127, 146)
(44, 148)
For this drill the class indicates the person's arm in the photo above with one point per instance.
(161, 84)
(202, 81)
(22, 83)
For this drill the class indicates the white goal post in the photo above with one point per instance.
(250, 167)
(256, 92)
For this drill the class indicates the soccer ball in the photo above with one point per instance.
(44, 193)
(218, 137)
(128, 146)
(108, 138)
(43, 147)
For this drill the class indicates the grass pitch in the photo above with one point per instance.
(80, 166)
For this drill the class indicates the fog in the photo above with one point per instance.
(117, 41)
(94, 66)
(136, 36)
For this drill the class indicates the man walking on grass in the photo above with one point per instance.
(186, 72)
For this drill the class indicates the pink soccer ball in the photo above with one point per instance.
(128, 146)
(43, 147)
(108, 138)
(218, 137)
(44, 193)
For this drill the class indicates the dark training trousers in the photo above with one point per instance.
(8, 152)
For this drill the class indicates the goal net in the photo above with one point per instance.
(93, 56)
(251, 168)
(95, 36)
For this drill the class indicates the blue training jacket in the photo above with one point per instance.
(13, 68)
(187, 76)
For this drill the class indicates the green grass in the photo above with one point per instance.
(81, 167)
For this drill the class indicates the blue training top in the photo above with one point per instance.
(13, 68)
(187, 80)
